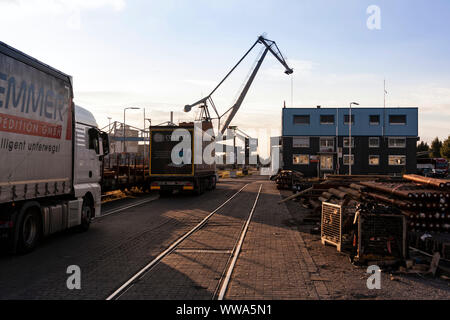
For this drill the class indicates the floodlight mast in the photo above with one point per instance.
(270, 46)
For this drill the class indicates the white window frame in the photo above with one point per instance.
(350, 118)
(345, 156)
(328, 139)
(302, 115)
(396, 146)
(374, 123)
(398, 155)
(327, 123)
(352, 141)
(299, 155)
(398, 124)
(299, 145)
(377, 156)
(378, 142)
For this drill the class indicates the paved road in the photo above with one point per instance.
(120, 244)
(195, 268)
(115, 247)
(277, 260)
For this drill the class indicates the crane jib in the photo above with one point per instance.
(203, 103)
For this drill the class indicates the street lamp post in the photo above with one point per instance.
(124, 126)
(350, 138)
(234, 146)
(147, 138)
(144, 135)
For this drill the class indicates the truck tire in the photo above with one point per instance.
(200, 187)
(29, 231)
(214, 182)
(209, 184)
(87, 211)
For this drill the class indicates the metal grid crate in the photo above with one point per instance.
(381, 236)
(331, 226)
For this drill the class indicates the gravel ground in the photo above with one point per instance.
(346, 281)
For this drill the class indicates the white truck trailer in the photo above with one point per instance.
(50, 153)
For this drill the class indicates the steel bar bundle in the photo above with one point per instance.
(440, 183)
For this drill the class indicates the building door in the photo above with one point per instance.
(326, 162)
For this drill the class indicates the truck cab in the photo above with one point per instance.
(90, 146)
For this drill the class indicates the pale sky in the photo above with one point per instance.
(162, 55)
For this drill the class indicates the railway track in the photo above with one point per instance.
(125, 207)
(225, 278)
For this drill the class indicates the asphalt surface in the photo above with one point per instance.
(279, 259)
(195, 269)
(114, 248)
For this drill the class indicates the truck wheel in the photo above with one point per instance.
(209, 184)
(29, 231)
(200, 188)
(87, 211)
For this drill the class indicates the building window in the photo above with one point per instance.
(397, 119)
(327, 119)
(300, 159)
(326, 162)
(397, 160)
(300, 142)
(374, 142)
(346, 157)
(304, 119)
(397, 142)
(346, 144)
(347, 116)
(374, 119)
(374, 160)
(327, 144)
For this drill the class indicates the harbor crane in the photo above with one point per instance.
(269, 46)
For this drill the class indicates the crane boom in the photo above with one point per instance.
(270, 46)
(238, 103)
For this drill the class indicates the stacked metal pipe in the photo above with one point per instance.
(426, 201)
(288, 179)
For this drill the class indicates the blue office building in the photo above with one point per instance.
(317, 141)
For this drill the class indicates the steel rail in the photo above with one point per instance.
(129, 283)
(237, 250)
(113, 211)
